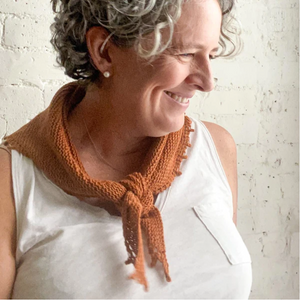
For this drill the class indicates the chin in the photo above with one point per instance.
(165, 127)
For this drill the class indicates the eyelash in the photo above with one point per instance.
(186, 55)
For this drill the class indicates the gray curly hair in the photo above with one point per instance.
(127, 22)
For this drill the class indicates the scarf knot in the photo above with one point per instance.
(136, 184)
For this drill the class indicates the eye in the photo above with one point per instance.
(187, 55)
(211, 57)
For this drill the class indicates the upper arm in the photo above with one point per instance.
(7, 227)
(226, 149)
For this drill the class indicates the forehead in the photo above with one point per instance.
(200, 22)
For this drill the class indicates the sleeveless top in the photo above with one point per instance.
(67, 248)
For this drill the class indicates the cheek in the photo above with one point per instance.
(176, 75)
(166, 75)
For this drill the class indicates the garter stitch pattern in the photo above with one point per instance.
(46, 141)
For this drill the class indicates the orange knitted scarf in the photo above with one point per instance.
(46, 141)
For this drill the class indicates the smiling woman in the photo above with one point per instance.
(114, 159)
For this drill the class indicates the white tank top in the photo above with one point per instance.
(69, 249)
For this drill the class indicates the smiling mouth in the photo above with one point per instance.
(177, 98)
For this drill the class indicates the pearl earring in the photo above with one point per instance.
(106, 74)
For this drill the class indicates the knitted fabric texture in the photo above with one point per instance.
(46, 141)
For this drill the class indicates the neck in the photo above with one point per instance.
(114, 134)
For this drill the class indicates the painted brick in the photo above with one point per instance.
(230, 102)
(245, 221)
(289, 216)
(289, 185)
(26, 66)
(236, 77)
(34, 7)
(278, 20)
(289, 77)
(239, 125)
(254, 244)
(2, 127)
(26, 32)
(246, 192)
(278, 46)
(266, 70)
(270, 189)
(270, 287)
(196, 103)
(295, 244)
(281, 157)
(284, 125)
(2, 17)
(290, 160)
(294, 4)
(204, 117)
(266, 217)
(274, 245)
(19, 105)
(50, 90)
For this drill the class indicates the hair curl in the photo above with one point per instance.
(127, 22)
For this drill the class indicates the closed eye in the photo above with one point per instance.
(187, 54)
(191, 55)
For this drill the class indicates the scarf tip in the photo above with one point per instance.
(142, 281)
(168, 278)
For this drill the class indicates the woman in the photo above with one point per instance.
(101, 165)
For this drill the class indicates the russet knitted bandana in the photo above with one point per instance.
(46, 141)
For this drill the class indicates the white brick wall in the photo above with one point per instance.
(256, 100)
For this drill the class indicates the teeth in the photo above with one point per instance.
(177, 98)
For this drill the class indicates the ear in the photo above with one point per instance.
(95, 38)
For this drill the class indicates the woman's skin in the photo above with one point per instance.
(7, 227)
(129, 109)
(131, 106)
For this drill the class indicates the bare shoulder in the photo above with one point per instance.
(7, 203)
(222, 138)
(7, 227)
(6, 179)
(227, 152)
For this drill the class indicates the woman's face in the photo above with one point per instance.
(147, 92)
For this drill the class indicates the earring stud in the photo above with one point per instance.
(106, 74)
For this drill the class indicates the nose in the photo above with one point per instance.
(201, 76)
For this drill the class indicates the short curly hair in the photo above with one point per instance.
(127, 22)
